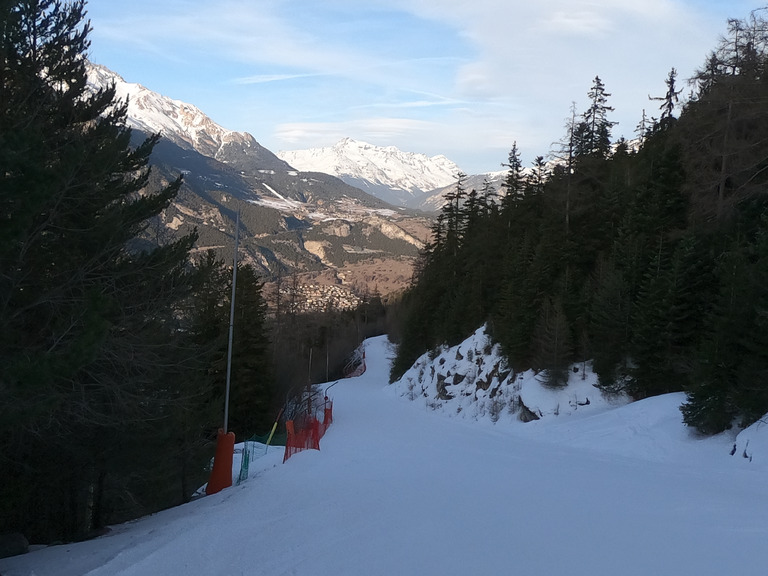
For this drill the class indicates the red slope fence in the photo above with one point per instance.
(305, 432)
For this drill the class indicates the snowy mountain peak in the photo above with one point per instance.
(182, 123)
(376, 167)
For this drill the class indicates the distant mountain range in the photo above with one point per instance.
(400, 178)
(351, 215)
(310, 223)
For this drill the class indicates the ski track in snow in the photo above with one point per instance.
(397, 489)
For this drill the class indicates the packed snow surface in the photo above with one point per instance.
(399, 487)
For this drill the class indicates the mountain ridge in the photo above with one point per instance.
(307, 223)
(398, 177)
(182, 123)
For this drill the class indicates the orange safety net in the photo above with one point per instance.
(305, 432)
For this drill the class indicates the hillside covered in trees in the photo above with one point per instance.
(649, 257)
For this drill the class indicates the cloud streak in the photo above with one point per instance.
(266, 78)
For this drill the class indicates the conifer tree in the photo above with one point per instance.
(87, 322)
(553, 344)
(514, 180)
(251, 401)
(669, 100)
(610, 326)
(593, 133)
(453, 215)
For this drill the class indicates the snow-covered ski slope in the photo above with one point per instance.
(399, 489)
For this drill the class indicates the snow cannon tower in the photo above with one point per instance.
(221, 474)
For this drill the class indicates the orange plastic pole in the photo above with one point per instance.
(221, 475)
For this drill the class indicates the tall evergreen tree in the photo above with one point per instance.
(610, 326)
(514, 180)
(553, 344)
(669, 100)
(251, 401)
(593, 133)
(87, 322)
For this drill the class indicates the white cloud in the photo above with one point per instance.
(535, 58)
(577, 23)
(374, 130)
(265, 78)
(517, 66)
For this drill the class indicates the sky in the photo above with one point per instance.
(466, 79)
(402, 486)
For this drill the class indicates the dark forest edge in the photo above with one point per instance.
(113, 349)
(648, 257)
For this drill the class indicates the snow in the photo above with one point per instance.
(478, 385)
(405, 486)
(178, 121)
(387, 166)
(290, 203)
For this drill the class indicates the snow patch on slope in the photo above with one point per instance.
(472, 381)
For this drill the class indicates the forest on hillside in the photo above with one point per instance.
(648, 257)
(113, 348)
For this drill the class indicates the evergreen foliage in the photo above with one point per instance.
(251, 402)
(647, 257)
(107, 343)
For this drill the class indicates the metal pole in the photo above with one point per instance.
(309, 383)
(231, 324)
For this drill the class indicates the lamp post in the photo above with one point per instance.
(231, 324)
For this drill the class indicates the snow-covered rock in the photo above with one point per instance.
(472, 381)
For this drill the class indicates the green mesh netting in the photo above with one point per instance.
(256, 447)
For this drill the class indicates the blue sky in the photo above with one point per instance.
(456, 77)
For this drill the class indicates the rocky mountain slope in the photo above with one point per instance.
(311, 224)
(400, 178)
(183, 124)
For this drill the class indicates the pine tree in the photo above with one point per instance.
(565, 156)
(729, 384)
(669, 100)
(610, 326)
(453, 215)
(553, 344)
(514, 181)
(87, 322)
(593, 133)
(251, 399)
